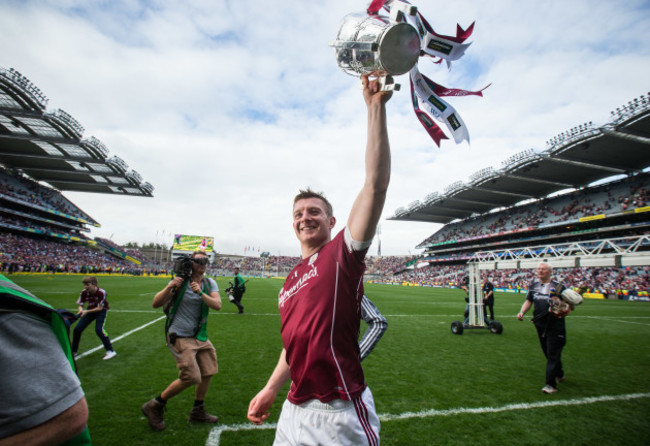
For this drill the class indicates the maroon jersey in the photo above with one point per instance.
(320, 312)
(93, 300)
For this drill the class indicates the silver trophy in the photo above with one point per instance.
(372, 43)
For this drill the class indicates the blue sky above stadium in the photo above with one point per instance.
(228, 107)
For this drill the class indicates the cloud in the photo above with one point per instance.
(229, 107)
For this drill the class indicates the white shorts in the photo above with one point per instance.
(338, 422)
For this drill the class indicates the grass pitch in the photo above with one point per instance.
(430, 386)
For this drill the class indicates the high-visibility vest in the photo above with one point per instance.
(15, 299)
(202, 329)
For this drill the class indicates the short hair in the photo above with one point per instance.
(548, 265)
(197, 252)
(89, 279)
(304, 194)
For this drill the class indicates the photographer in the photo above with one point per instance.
(187, 299)
(238, 289)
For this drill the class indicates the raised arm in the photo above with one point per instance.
(369, 204)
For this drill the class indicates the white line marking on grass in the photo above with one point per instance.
(134, 311)
(509, 407)
(424, 315)
(225, 313)
(122, 336)
(621, 321)
(215, 432)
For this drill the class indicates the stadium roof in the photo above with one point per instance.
(48, 146)
(572, 159)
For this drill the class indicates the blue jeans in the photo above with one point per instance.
(99, 317)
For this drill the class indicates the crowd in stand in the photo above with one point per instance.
(604, 280)
(31, 192)
(606, 199)
(282, 265)
(254, 266)
(23, 254)
(387, 264)
(42, 227)
(134, 253)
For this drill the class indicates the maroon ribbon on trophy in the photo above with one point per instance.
(426, 95)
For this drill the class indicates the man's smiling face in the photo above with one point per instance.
(311, 223)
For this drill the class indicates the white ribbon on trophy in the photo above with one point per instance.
(371, 42)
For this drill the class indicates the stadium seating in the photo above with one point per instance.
(608, 199)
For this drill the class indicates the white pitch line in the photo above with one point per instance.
(99, 347)
(215, 432)
(509, 407)
(122, 336)
(624, 322)
(135, 311)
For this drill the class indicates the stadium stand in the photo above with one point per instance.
(32, 254)
(589, 188)
(598, 209)
(43, 153)
(48, 146)
(266, 266)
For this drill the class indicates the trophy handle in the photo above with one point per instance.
(387, 83)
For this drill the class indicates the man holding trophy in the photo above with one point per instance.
(320, 301)
(329, 401)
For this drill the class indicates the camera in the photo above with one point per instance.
(183, 267)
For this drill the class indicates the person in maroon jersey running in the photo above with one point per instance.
(96, 311)
(320, 309)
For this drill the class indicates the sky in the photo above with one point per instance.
(228, 108)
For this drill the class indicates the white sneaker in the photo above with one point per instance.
(109, 354)
(549, 389)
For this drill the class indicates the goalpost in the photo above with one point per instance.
(614, 252)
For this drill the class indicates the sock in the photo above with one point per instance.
(160, 399)
(198, 403)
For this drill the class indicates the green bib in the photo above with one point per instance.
(14, 298)
(202, 329)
